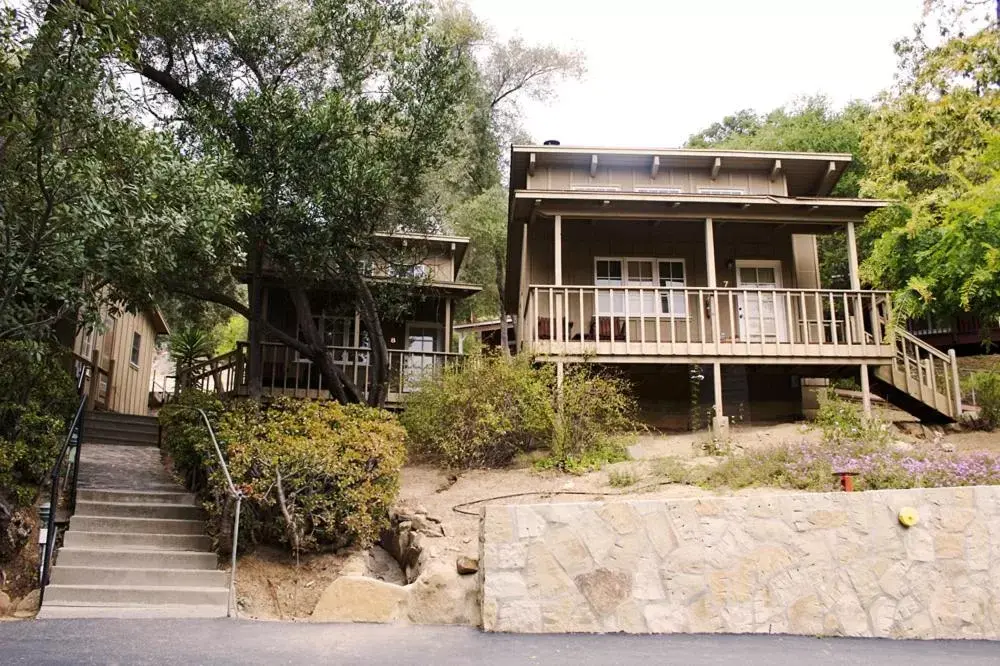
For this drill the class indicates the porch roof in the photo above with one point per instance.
(807, 174)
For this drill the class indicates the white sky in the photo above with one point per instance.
(660, 70)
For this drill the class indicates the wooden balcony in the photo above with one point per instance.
(704, 325)
(284, 372)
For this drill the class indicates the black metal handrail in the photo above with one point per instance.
(74, 438)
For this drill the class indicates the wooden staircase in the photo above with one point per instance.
(921, 380)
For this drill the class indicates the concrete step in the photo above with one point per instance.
(136, 525)
(66, 575)
(115, 540)
(140, 510)
(135, 496)
(109, 440)
(114, 417)
(69, 595)
(130, 611)
(113, 426)
(133, 558)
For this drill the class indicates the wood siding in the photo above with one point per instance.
(629, 179)
(128, 385)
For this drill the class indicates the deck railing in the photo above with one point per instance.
(284, 371)
(702, 321)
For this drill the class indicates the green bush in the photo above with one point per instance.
(37, 399)
(844, 422)
(314, 474)
(482, 413)
(492, 408)
(986, 384)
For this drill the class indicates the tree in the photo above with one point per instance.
(809, 125)
(505, 75)
(331, 113)
(933, 146)
(87, 197)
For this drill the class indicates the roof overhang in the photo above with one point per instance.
(807, 174)
(457, 244)
(159, 323)
(481, 326)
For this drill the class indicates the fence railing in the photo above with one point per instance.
(287, 372)
(62, 491)
(926, 372)
(702, 320)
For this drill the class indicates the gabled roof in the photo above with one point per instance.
(807, 174)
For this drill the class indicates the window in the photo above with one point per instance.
(671, 274)
(647, 274)
(136, 348)
(596, 188)
(659, 190)
(413, 271)
(721, 191)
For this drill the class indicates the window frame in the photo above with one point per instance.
(722, 191)
(136, 351)
(655, 261)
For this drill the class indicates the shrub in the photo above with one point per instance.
(314, 474)
(493, 408)
(482, 413)
(37, 399)
(844, 422)
(986, 384)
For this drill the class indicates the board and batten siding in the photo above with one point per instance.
(128, 385)
(628, 179)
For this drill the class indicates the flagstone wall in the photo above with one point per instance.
(814, 564)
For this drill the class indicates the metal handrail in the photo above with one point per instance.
(73, 437)
(235, 493)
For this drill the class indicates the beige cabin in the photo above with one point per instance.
(118, 360)
(673, 264)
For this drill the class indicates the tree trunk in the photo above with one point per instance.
(337, 383)
(254, 363)
(379, 391)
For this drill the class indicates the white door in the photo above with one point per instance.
(762, 312)
(419, 363)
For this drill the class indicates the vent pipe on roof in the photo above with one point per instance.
(551, 142)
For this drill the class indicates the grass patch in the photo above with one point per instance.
(622, 478)
(591, 460)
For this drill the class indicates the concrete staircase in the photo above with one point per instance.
(135, 546)
(120, 429)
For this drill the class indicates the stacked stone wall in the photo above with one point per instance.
(813, 564)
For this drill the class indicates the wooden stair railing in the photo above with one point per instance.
(924, 373)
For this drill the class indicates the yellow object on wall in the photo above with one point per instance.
(908, 516)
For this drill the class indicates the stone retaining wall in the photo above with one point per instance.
(814, 564)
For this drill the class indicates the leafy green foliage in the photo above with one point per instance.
(91, 202)
(484, 220)
(189, 345)
(987, 388)
(489, 410)
(809, 125)
(843, 422)
(315, 474)
(482, 413)
(37, 398)
(934, 145)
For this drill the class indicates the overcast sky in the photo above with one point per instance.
(660, 70)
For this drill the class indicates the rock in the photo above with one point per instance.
(901, 446)
(24, 614)
(421, 523)
(604, 589)
(947, 447)
(441, 596)
(5, 605)
(29, 602)
(361, 599)
(466, 565)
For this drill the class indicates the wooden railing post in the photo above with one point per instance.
(956, 384)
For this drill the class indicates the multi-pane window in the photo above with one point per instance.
(647, 274)
(671, 275)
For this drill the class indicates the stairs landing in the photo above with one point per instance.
(136, 546)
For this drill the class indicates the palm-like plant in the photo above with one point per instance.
(188, 346)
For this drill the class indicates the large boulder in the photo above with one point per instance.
(361, 599)
(441, 596)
